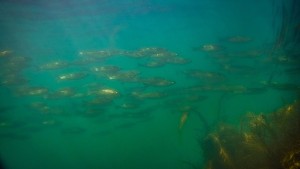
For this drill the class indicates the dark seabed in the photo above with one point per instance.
(152, 84)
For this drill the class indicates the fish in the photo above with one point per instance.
(157, 82)
(71, 76)
(183, 119)
(5, 52)
(53, 65)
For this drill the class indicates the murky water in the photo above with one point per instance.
(134, 84)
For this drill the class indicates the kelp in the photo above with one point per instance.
(265, 141)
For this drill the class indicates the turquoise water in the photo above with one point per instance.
(105, 84)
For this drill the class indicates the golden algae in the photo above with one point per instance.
(264, 141)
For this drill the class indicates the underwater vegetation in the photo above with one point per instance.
(265, 141)
(269, 140)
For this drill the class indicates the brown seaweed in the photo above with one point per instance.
(265, 141)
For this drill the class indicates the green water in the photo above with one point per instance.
(132, 129)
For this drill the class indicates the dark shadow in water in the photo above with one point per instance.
(1, 165)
